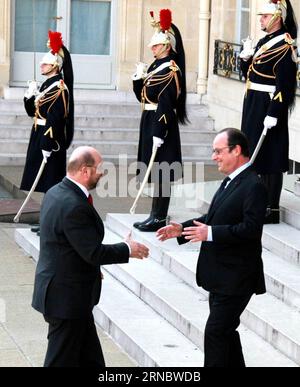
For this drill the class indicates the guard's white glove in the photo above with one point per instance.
(248, 49)
(270, 122)
(46, 154)
(157, 142)
(246, 55)
(32, 89)
(141, 71)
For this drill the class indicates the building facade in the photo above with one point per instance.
(232, 21)
(107, 37)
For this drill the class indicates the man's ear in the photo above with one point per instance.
(238, 150)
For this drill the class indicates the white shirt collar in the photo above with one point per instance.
(238, 171)
(82, 187)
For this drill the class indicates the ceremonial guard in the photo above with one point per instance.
(161, 90)
(270, 71)
(52, 109)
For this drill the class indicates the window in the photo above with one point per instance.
(90, 23)
(243, 20)
(33, 20)
(236, 20)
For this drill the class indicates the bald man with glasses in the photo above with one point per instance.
(229, 266)
(68, 277)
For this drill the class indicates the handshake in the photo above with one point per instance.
(32, 89)
(141, 71)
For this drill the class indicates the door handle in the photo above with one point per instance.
(57, 18)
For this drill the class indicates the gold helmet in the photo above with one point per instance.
(277, 8)
(55, 56)
(164, 33)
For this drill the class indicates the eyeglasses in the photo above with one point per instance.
(218, 151)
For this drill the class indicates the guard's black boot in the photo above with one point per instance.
(272, 216)
(158, 216)
(153, 225)
(137, 224)
(35, 228)
(273, 183)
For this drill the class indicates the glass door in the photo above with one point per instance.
(86, 27)
(91, 42)
(33, 19)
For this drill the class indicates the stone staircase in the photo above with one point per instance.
(108, 121)
(155, 311)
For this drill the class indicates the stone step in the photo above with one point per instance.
(129, 320)
(282, 240)
(290, 208)
(95, 107)
(278, 324)
(101, 121)
(122, 134)
(98, 96)
(282, 279)
(91, 121)
(107, 147)
(121, 224)
(183, 307)
(146, 336)
(12, 159)
(143, 334)
(199, 151)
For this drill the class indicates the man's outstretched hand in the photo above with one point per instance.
(138, 250)
(197, 233)
(173, 230)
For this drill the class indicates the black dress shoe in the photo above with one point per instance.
(35, 228)
(272, 216)
(137, 224)
(152, 225)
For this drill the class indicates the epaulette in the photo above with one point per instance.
(62, 86)
(173, 66)
(289, 40)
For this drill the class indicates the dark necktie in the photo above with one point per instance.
(221, 188)
(90, 199)
(224, 182)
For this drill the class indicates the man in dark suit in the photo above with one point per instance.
(229, 267)
(68, 277)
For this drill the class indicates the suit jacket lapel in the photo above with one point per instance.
(75, 188)
(226, 193)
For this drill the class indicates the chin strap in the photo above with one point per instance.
(277, 14)
(53, 67)
(163, 49)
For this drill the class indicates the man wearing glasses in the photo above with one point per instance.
(229, 266)
(68, 277)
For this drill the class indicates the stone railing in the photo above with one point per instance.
(227, 62)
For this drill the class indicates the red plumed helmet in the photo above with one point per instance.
(165, 19)
(55, 41)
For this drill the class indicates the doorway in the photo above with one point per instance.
(86, 27)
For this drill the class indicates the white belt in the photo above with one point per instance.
(150, 106)
(39, 121)
(261, 87)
